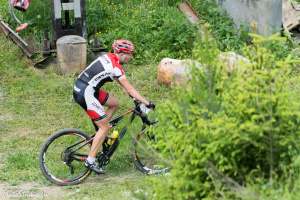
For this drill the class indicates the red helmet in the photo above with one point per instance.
(123, 46)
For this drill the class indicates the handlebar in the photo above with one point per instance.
(138, 111)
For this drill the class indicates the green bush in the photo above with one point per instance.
(229, 129)
(157, 29)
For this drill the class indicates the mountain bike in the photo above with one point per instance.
(63, 154)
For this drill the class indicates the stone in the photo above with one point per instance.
(71, 54)
(232, 61)
(177, 72)
(174, 72)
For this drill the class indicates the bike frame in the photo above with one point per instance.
(108, 150)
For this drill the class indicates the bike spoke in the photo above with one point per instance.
(147, 155)
(61, 163)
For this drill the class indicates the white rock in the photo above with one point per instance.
(172, 71)
(232, 61)
(177, 72)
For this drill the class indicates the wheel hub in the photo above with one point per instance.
(66, 156)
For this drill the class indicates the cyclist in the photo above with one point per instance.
(89, 95)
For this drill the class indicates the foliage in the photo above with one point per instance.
(156, 27)
(3, 9)
(221, 25)
(283, 47)
(229, 129)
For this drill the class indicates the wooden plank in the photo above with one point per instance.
(3, 28)
(189, 12)
(186, 8)
(16, 39)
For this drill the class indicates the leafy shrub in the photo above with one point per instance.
(229, 129)
(157, 29)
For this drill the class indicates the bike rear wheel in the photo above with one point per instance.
(58, 163)
(146, 156)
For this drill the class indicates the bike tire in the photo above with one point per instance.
(146, 159)
(43, 158)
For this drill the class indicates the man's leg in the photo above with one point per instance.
(96, 145)
(99, 137)
(104, 127)
(112, 104)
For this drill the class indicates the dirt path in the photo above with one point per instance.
(30, 190)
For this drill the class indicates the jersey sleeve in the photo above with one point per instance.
(118, 72)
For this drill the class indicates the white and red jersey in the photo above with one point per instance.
(104, 69)
(87, 92)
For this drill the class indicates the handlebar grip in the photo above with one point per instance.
(151, 105)
(153, 122)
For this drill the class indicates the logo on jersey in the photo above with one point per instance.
(96, 105)
(100, 77)
(76, 89)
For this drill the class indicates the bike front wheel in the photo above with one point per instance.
(147, 157)
(62, 157)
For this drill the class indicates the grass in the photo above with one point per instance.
(35, 103)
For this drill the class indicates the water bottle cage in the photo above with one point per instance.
(111, 140)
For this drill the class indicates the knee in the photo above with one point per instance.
(103, 127)
(114, 103)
